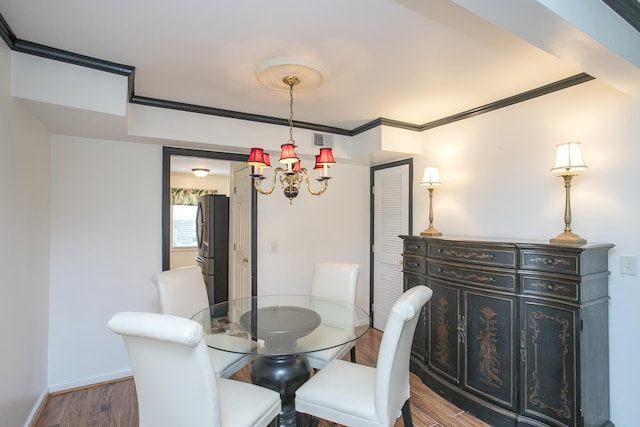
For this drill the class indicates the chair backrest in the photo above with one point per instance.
(336, 280)
(182, 291)
(174, 376)
(392, 376)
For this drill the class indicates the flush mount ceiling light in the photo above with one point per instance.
(279, 74)
(200, 172)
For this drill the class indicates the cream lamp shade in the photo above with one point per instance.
(431, 177)
(568, 158)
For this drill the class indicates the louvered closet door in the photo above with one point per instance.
(391, 219)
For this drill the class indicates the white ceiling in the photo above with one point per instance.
(413, 61)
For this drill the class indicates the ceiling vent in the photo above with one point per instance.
(322, 140)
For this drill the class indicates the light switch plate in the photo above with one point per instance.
(629, 265)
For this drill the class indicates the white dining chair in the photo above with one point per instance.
(364, 396)
(334, 280)
(175, 380)
(182, 292)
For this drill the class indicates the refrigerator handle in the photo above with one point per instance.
(199, 225)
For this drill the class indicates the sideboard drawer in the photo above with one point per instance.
(474, 254)
(415, 246)
(414, 264)
(549, 261)
(483, 278)
(545, 286)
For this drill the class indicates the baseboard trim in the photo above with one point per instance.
(85, 382)
(37, 409)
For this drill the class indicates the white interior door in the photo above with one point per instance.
(240, 242)
(391, 219)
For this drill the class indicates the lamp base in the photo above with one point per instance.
(568, 238)
(431, 231)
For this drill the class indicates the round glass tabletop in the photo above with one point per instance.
(281, 324)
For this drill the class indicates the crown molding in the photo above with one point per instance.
(629, 10)
(7, 34)
(212, 111)
(30, 48)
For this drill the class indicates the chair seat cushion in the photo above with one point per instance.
(319, 359)
(226, 363)
(237, 396)
(323, 337)
(352, 400)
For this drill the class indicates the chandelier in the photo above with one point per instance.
(291, 175)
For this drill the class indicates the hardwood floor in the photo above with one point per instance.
(114, 404)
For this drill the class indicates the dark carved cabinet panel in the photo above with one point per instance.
(549, 383)
(490, 367)
(444, 331)
(418, 349)
(515, 333)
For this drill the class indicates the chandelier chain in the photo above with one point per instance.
(291, 83)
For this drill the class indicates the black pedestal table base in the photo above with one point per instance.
(284, 374)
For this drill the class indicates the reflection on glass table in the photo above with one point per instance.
(279, 330)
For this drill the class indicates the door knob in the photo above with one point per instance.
(245, 259)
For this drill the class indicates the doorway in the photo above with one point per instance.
(167, 154)
(391, 217)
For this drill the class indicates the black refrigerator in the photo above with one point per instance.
(212, 231)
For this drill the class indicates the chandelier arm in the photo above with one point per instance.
(257, 182)
(323, 183)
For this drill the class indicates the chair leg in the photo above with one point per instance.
(406, 414)
(353, 354)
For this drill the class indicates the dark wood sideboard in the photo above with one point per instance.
(516, 333)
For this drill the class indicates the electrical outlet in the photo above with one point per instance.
(274, 246)
(629, 265)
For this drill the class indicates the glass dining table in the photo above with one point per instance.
(279, 330)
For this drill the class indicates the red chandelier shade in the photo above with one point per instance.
(256, 158)
(267, 160)
(288, 154)
(325, 157)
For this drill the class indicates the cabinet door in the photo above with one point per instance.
(419, 346)
(489, 347)
(444, 328)
(549, 339)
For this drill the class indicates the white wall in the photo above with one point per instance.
(105, 245)
(24, 255)
(495, 178)
(331, 227)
